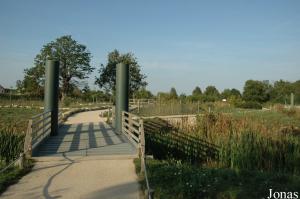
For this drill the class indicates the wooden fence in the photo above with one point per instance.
(133, 128)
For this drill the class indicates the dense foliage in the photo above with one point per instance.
(74, 61)
(107, 73)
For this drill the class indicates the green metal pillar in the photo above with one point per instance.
(51, 93)
(122, 88)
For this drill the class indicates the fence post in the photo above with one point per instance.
(292, 99)
(21, 162)
(142, 144)
(28, 140)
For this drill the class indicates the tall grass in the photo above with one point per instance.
(252, 143)
(264, 141)
(11, 144)
(177, 107)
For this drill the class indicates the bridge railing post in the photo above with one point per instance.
(28, 140)
(142, 144)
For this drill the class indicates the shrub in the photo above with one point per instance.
(250, 105)
(67, 101)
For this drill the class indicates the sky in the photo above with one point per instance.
(181, 44)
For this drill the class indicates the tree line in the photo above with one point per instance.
(254, 94)
(75, 68)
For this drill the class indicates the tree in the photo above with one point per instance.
(281, 91)
(227, 93)
(296, 86)
(256, 91)
(197, 91)
(236, 93)
(33, 81)
(173, 93)
(143, 94)
(19, 86)
(74, 61)
(211, 94)
(107, 77)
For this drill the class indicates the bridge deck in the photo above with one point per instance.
(78, 137)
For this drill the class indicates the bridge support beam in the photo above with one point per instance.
(122, 88)
(51, 93)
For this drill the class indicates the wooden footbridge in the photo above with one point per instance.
(80, 155)
(85, 134)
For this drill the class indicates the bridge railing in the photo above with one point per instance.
(133, 128)
(39, 127)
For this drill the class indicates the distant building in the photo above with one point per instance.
(2, 89)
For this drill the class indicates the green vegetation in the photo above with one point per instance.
(107, 77)
(16, 118)
(174, 179)
(74, 65)
(11, 144)
(237, 155)
(12, 175)
(182, 107)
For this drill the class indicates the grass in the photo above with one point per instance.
(173, 179)
(257, 150)
(12, 175)
(17, 117)
(178, 108)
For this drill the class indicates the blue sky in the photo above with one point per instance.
(179, 44)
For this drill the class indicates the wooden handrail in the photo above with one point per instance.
(133, 128)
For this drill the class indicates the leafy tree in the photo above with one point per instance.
(197, 91)
(281, 91)
(33, 82)
(19, 86)
(173, 93)
(256, 91)
(107, 77)
(236, 93)
(211, 94)
(143, 94)
(228, 93)
(74, 61)
(296, 88)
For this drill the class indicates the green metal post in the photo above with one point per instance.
(122, 88)
(51, 93)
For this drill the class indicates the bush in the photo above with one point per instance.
(67, 101)
(249, 105)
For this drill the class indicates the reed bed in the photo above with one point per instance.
(263, 141)
(11, 144)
